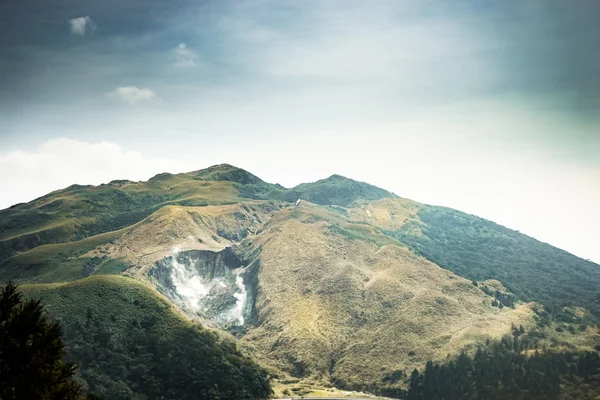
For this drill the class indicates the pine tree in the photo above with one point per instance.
(31, 352)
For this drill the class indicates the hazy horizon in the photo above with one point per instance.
(489, 108)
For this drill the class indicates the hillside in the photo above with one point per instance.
(479, 249)
(130, 343)
(352, 286)
(335, 190)
(78, 212)
(341, 302)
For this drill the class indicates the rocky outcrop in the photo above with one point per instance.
(211, 285)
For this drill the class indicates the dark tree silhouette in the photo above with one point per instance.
(31, 352)
(503, 371)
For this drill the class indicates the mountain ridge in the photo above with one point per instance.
(308, 287)
(80, 211)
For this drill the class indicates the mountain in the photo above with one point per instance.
(339, 300)
(479, 249)
(351, 286)
(78, 212)
(335, 190)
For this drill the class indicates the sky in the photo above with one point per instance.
(492, 108)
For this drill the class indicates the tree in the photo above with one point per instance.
(31, 352)
(502, 371)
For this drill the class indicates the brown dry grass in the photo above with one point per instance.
(187, 228)
(338, 301)
(389, 214)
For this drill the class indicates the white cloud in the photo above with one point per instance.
(184, 56)
(80, 25)
(133, 94)
(62, 162)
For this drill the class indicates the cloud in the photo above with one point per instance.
(133, 94)
(61, 162)
(184, 56)
(80, 25)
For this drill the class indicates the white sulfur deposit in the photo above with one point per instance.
(237, 312)
(221, 299)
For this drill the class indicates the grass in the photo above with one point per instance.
(130, 343)
(187, 228)
(110, 295)
(350, 291)
(478, 249)
(78, 212)
(341, 303)
(306, 388)
(111, 267)
(335, 190)
(55, 262)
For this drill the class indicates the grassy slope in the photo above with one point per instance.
(467, 245)
(78, 212)
(129, 341)
(189, 228)
(335, 190)
(203, 228)
(59, 262)
(479, 249)
(342, 301)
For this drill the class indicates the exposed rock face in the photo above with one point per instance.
(188, 254)
(187, 228)
(208, 284)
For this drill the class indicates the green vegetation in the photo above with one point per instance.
(335, 190)
(130, 343)
(501, 299)
(60, 262)
(504, 371)
(226, 172)
(31, 352)
(78, 212)
(74, 214)
(478, 249)
(346, 268)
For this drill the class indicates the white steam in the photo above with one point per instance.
(238, 311)
(198, 293)
(188, 284)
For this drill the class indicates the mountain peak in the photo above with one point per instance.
(337, 178)
(227, 172)
(339, 190)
